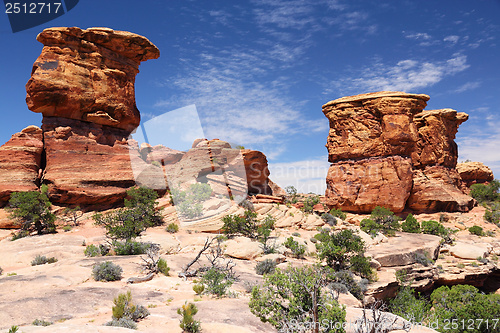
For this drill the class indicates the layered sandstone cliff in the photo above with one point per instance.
(387, 151)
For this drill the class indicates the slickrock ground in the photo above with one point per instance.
(66, 293)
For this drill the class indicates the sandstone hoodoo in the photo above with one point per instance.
(383, 148)
(89, 75)
(474, 173)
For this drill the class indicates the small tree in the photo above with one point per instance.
(485, 193)
(188, 324)
(381, 220)
(32, 210)
(245, 225)
(411, 225)
(72, 215)
(298, 296)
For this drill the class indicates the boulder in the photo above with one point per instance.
(372, 125)
(468, 251)
(20, 163)
(436, 131)
(402, 249)
(88, 75)
(243, 248)
(437, 189)
(474, 173)
(361, 185)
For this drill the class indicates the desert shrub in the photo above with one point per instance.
(217, 281)
(265, 267)
(163, 267)
(407, 305)
(338, 213)
(188, 324)
(245, 225)
(492, 213)
(67, 228)
(485, 193)
(381, 220)
(298, 250)
(344, 250)
(296, 295)
(140, 213)
(130, 247)
(411, 225)
(107, 271)
(40, 322)
(1, 271)
(477, 230)
(310, 202)
(422, 258)
(346, 278)
(92, 251)
(465, 304)
(329, 219)
(296, 234)
(189, 203)
(434, 228)
(72, 215)
(198, 288)
(14, 329)
(32, 211)
(122, 322)
(41, 260)
(292, 194)
(264, 233)
(172, 228)
(20, 234)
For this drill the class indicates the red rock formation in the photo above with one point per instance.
(20, 162)
(386, 151)
(474, 172)
(87, 164)
(88, 75)
(361, 185)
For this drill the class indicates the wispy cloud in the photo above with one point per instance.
(406, 75)
(452, 39)
(467, 86)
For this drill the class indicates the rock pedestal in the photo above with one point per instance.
(386, 151)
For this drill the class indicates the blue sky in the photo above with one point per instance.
(258, 71)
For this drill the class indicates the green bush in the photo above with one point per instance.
(188, 324)
(344, 250)
(140, 213)
(39, 322)
(172, 228)
(267, 266)
(381, 220)
(1, 270)
(434, 228)
(465, 304)
(216, 281)
(130, 247)
(20, 234)
(346, 279)
(338, 213)
(189, 203)
(411, 225)
(107, 271)
(407, 305)
(92, 251)
(492, 214)
(309, 203)
(485, 193)
(198, 288)
(423, 259)
(298, 250)
(163, 267)
(296, 295)
(264, 233)
(125, 313)
(245, 225)
(329, 219)
(14, 329)
(32, 210)
(477, 230)
(296, 234)
(42, 260)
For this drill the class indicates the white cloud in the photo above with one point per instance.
(306, 176)
(406, 75)
(467, 86)
(417, 35)
(452, 39)
(481, 147)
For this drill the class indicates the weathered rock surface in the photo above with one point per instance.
(20, 162)
(87, 164)
(89, 75)
(360, 186)
(372, 125)
(437, 189)
(257, 172)
(468, 251)
(243, 248)
(474, 173)
(386, 151)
